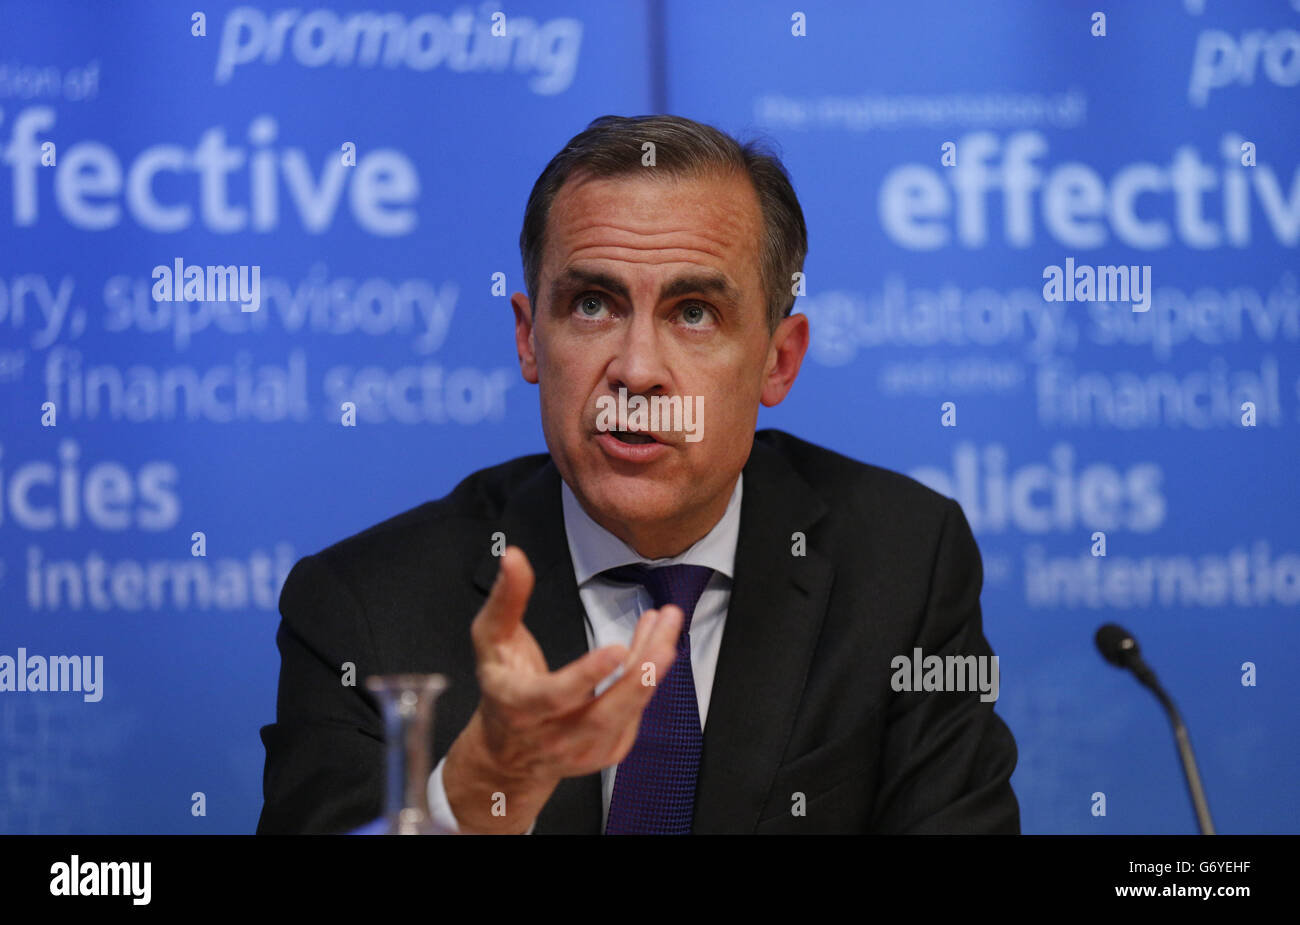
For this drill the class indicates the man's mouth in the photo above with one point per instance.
(632, 437)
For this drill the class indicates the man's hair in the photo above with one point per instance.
(611, 146)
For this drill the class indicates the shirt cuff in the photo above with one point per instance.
(440, 807)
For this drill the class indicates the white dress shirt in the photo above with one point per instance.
(612, 611)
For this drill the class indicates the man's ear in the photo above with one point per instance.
(784, 356)
(524, 344)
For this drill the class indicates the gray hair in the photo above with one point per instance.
(611, 146)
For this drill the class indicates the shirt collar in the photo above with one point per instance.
(594, 549)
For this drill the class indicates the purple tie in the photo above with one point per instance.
(654, 787)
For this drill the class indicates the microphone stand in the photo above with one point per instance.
(1148, 679)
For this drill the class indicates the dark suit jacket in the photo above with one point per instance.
(801, 701)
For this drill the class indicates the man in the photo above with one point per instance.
(581, 699)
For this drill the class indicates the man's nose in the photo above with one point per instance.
(638, 364)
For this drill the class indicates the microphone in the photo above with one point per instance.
(1118, 647)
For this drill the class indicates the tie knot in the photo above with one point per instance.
(668, 584)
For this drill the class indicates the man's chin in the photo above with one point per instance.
(638, 498)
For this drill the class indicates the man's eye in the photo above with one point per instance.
(696, 315)
(590, 304)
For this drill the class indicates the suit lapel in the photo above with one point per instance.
(774, 618)
(533, 519)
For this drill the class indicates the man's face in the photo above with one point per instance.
(654, 287)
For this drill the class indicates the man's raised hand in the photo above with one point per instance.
(533, 727)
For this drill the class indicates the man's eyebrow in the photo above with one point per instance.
(574, 278)
(704, 283)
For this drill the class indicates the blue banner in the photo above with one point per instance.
(1052, 273)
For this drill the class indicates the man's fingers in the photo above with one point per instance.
(644, 626)
(503, 611)
(594, 732)
(624, 700)
(566, 689)
(605, 727)
(559, 705)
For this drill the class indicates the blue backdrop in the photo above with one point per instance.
(945, 155)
